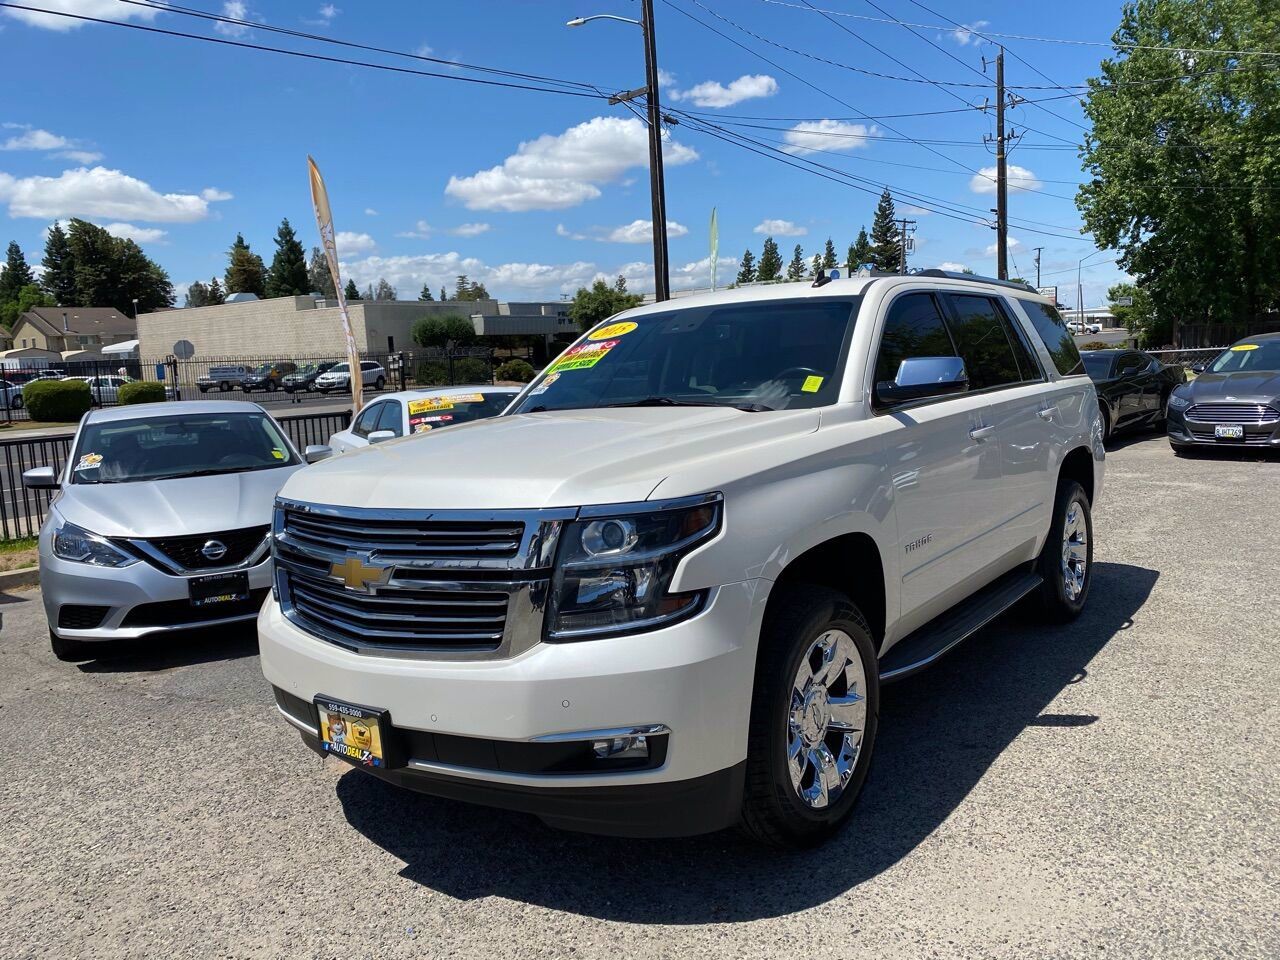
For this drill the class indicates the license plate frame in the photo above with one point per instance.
(216, 589)
(1228, 431)
(366, 734)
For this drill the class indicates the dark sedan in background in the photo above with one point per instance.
(1133, 387)
(1234, 403)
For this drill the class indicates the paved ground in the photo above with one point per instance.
(1108, 788)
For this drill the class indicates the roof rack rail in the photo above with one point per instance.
(974, 278)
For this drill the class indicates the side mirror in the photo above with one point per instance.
(1199, 368)
(316, 452)
(921, 377)
(40, 478)
(381, 436)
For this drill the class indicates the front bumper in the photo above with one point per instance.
(1184, 432)
(694, 677)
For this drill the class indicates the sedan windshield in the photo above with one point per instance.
(1261, 355)
(165, 448)
(759, 356)
(1097, 365)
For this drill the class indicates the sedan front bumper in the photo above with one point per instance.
(1201, 432)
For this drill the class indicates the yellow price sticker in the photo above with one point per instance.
(612, 331)
(811, 385)
(430, 403)
(277, 453)
(1244, 347)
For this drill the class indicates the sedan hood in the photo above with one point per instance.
(556, 459)
(170, 508)
(1248, 385)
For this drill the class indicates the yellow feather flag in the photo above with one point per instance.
(324, 220)
(715, 247)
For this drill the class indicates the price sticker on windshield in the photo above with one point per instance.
(90, 461)
(427, 404)
(612, 331)
(583, 356)
(1244, 347)
(811, 385)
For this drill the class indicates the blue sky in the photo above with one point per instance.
(181, 144)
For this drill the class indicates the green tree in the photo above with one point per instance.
(829, 260)
(443, 296)
(747, 269)
(17, 274)
(601, 301)
(114, 272)
(1140, 317)
(59, 277)
(351, 291)
(450, 329)
(319, 279)
(815, 265)
(770, 268)
(795, 269)
(287, 276)
(384, 290)
(28, 297)
(197, 295)
(886, 242)
(246, 272)
(215, 293)
(426, 296)
(1182, 175)
(465, 290)
(859, 253)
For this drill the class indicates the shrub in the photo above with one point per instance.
(518, 370)
(432, 373)
(57, 400)
(1095, 345)
(471, 370)
(443, 330)
(141, 391)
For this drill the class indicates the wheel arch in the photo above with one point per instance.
(850, 563)
(1077, 465)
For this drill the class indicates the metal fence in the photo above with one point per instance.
(1189, 357)
(22, 511)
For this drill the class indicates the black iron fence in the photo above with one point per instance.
(22, 511)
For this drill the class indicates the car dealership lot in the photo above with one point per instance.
(1050, 792)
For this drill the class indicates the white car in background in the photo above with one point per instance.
(105, 390)
(417, 411)
(339, 378)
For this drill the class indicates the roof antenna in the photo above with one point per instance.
(823, 278)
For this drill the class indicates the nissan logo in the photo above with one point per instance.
(214, 549)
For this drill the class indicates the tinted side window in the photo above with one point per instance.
(914, 328)
(983, 343)
(365, 423)
(1057, 338)
(392, 419)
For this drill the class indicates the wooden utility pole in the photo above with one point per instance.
(1002, 177)
(902, 243)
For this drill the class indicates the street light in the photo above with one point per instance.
(135, 309)
(1080, 287)
(661, 282)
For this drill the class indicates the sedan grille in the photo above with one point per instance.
(1200, 433)
(1233, 413)
(188, 552)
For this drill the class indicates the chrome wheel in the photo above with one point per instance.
(827, 718)
(1075, 551)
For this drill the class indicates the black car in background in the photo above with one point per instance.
(1234, 403)
(1133, 387)
(303, 379)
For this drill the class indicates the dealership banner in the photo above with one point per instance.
(324, 220)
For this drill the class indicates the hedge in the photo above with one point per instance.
(1096, 345)
(517, 370)
(471, 370)
(432, 373)
(141, 391)
(55, 401)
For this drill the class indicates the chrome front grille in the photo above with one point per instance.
(1233, 413)
(1200, 433)
(420, 583)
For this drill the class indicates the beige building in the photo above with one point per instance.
(288, 327)
(71, 329)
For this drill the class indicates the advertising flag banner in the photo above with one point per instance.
(324, 220)
(715, 247)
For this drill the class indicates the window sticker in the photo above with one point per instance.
(612, 331)
(468, 398)
(89, 461)
(420, 427)
(1244, 347)
(277, 453)
(811, 385)
(427, 404)
(542, 387)
(583, 356)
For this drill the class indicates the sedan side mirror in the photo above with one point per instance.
(316, 452)
(1199, 368)
(921, 377)
(40, 478)
(381, 436)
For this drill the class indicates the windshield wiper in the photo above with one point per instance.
(664, 402)
(212, 472)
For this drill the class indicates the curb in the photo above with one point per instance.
(26, 577)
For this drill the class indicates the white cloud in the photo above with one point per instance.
(984, 181)
(964, 35)
(328, 11)
(563, 231)
(105, 9)
(35, 140)
(555, 172)
(470, 229)
(424, 50)
(810, 136)
(992, 248)
(689, 276)
(421, 231)
(712, 93)
(78, 156)
(349, 242)
(952, 266)
(98, 192)
(236, 10)
(370, 212)
(436, 269)
(913, 211)
(641, 231)
(214, 195)
(128, 231)
(779, 228)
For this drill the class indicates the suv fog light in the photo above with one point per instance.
(622, 748)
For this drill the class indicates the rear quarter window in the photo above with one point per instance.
(1052, 330)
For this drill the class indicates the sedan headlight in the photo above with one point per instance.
(614, 571)
(75, 543)
(1179, 403)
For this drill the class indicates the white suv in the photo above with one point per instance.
(659, 595)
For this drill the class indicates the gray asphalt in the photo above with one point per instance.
(1105, 788)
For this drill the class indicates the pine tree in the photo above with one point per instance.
(747, 270)
(288, 274)
(443, 296)
(59, 279)
(815, 266)
(17, 274)
(384, 290)
(461, 288)
(426, 296)
(351, 291)
(829, 260)
(215, 294)
(795, 269)
(368, 292)
(770, 267)
(197, 295)
(886, 244)
(246, 272)
(859, 252)
(318, 277)
(620, 285)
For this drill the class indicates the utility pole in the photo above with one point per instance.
(902, 243)
(661, 270)
(1002, 182)
(1038, 250)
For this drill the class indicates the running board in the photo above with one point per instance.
(918, 650)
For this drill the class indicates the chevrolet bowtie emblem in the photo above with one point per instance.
(358, 575)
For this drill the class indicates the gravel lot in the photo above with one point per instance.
(1109, 787)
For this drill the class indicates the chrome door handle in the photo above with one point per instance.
(982, 433)
(1047, 413)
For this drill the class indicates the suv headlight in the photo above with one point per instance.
(614, 570)
(1178, 403)
(76, 543)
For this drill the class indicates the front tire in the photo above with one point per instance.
(1066, 561)
(379, 383)
(814, 713)
(1106, 423)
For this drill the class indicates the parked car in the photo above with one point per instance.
(416, 412)
(303, 379)
(268, 376)
(224, 378)
(1235, 402)
(1133, 387)
(338, 377)
(104, 390)
(1081, 328)
(161, 522)
(10, 395)
(658, 595)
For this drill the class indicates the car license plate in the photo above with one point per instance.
(218, 588)
(1229, 432)
(351, 732)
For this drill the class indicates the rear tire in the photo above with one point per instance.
(379, 383)
(73, 651)
(16, 402)
(1106, 423)
(1066, 561)
(800, 802)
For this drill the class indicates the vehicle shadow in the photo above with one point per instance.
(939, 732)
(179, 649)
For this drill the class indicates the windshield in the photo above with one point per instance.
(306, 369)
(758, 356)
(340, 368)
(1261, 355)
(1097, 365)
(434, 412)
(164, 448)
(263, 370)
